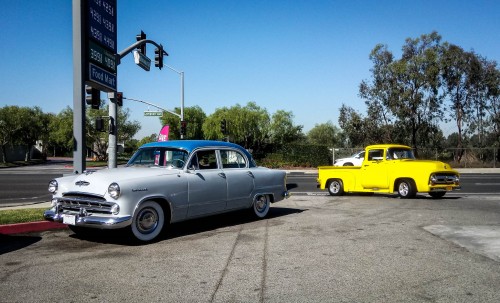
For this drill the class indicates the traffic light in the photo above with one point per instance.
(183, 128)
(223, 127)
(159, 56)
(99, 124)
(93, 97)
(119, 98)
(141, 48)
(112, 127)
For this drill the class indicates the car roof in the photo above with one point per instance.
(384, 146)
(190, 145)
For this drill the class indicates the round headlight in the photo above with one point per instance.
(433, 179)
(53, 186)
(114, 190)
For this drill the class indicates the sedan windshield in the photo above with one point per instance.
(400, 153)
(159, 157)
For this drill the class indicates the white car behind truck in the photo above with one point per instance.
(354, 160)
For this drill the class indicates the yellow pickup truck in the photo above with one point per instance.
(387, 168)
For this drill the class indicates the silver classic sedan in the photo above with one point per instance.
(166, 182)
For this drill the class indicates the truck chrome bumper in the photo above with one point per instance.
(89, 220)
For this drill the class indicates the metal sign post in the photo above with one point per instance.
(79, 146)
(94, 62)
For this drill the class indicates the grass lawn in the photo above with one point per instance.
(12, 216)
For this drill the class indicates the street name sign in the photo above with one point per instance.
(153, 113)
(142, 60)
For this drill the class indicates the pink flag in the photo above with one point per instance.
(163, 136)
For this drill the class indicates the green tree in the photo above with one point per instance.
(97, 142)
(377, 127)
(484, 90)
(22, 126)
(148, 139)
(247, 126)
(492, 81)
(283, 130)
(408, 88)
(354, 131)
(61, 130)
(324, 134)
(194, 116)
(458, 79)
(9, 125)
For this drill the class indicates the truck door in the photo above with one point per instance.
(374, 170)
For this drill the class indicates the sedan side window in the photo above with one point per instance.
(232, 159)
(207, 159)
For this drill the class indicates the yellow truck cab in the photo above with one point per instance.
(387, 168)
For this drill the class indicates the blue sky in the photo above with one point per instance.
(307, 57)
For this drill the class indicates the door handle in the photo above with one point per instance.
(250, 174)
(222, 175)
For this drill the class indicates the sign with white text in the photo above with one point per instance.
(152, 113)
(163, 135)
(100, 44)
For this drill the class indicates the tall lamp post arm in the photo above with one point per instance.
(154, 105)
(132, 47)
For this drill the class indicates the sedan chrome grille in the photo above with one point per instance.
(91, 204)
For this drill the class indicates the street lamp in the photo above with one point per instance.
(333, 154)
(181, 74)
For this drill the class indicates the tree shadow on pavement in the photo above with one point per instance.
(10, 243)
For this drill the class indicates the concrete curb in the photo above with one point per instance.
(29, 227)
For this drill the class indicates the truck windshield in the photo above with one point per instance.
(399, 153)
(159, 157)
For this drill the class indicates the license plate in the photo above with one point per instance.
(69, 219)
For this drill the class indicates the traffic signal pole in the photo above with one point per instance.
(113, 130)
(181, 74)
(79, 146)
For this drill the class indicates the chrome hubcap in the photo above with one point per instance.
(147, 220)
(334, 187)
(261, 204)
(403, 189)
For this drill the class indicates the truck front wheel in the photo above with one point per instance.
(407, 189)
(335, 187)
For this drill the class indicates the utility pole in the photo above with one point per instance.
(113, 129)
(181, 74)
(79, 150)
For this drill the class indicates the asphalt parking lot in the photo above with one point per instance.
(310, 249)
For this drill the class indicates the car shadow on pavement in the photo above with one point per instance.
(425, 197)
(12, 243)
(213, 223)
(186, 228)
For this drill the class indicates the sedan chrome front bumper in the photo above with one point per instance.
(84, 220)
